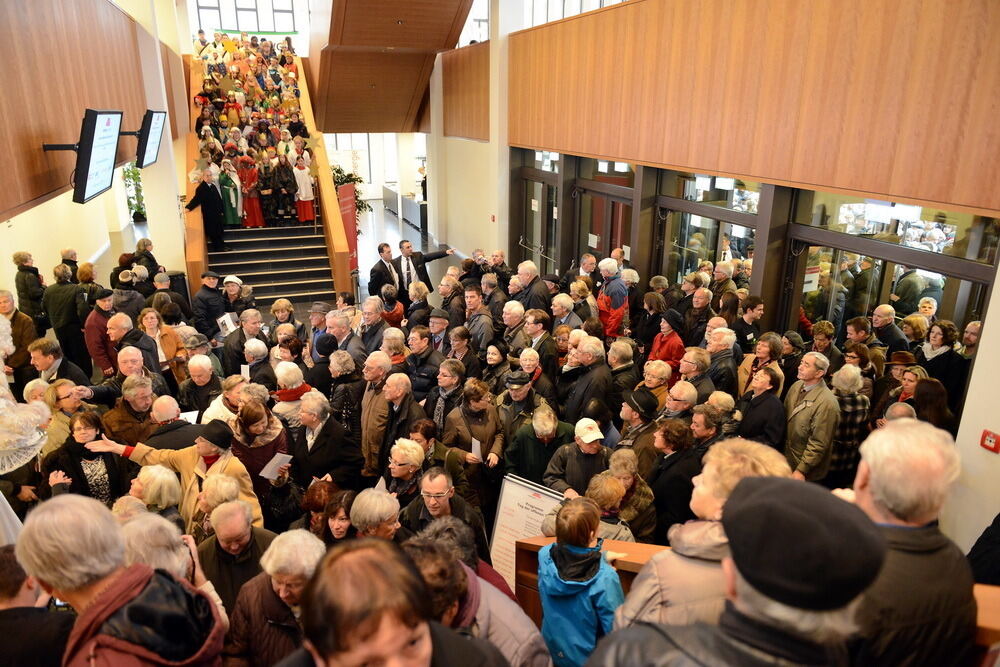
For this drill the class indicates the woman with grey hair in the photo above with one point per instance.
(265, 627)
(851, 430)
(153, 540)
(35, 390)
(346, 391)
(375, 513)
(291, 387)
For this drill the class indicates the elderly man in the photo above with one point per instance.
(562, 312)
(423, 363)
(517, 403)
(130, 363)
(403, 412)
(95, 333)
(161, 281)
(697, 316)
(813, 415)
(129, 422)
(437, 499)
(903, 480)
(201, 388)
(317, 326)
(437, 324)
(231, 557)
(528, 453)
(171, 431)
(790, 583)
(681, 400)
(574, 464)
(612, 300)
(264, 626)
(46, 357)
(208, 306)
(479, 319)
(723, 367)
(907, 290)
(372, 324)
(374, 413)
(251, 322)
(885, 329)
(595, 382)
(23, 333)
(209, 197)
(722, 282)
(625, 375)
(256, 355)
(83, 563)
(61, 302)
(321, 449)
(638, 413)
(338, 325)
(586, 267)
(514, 335)
(706, 427)
(123, 334)
(897, 411)
(694, 368)
(534, 293)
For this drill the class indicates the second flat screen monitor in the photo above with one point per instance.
(149, 137)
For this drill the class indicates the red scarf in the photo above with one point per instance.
(292, 394)
(210, 460)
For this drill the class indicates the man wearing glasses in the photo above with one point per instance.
(437, 499)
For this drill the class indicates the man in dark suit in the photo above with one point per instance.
(586, 267)
(320, 447)
(209, 197)
(232, 350)
(594, 383)
(383, 272)
(47, 358)
(339, 326)
(412, 266)
(536, 324)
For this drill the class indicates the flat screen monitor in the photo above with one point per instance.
(95, 155)
(149, 137)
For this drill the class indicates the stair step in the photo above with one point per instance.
(275, 242)
(254, 275)
(298, 298)
(282, 287)
(284, 252)
(256, 232)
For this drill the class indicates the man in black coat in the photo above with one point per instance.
(404, 413)
(123, 334)
(171, 432)
(885, 329)
(586, 267)
(594, 383)
(33, 635)
(536, 324)
(232, 352)
(534, 292)
(412, 266)
(321, 447)
(209, 197)
(422, 363)
(723, 369)
(47, 358)
(208, 305)
(383, 272)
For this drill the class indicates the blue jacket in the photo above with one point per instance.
(580, 592)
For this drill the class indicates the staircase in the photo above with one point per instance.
(289, 262)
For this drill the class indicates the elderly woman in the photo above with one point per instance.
(685, 584)
(636, 508)
(406, 459)
(284, 313)
(346, 391)
(726, 405)
(169, 347)
(943, 363)
(928, 307)
(452, 301)
(215, 490)
(30, 288)
(766, 354)
(225, 406)
(670, 481)
(394, 344)
(291, 387)
(656, 380)
(915, 329)
(419, 311)
(157, 542)
(462, 349)
(392, 308)
(236, 296)
(375, 513)
(760, 412)
(209, 454)
(73, 468)
(265, 626)
(160, 490)
(859, 356)
(851, 429)
(257, 436)
(474, 430)
(35, 391)
(63, 404)
(447, 395)
(497, 366)
(667, 345)
(337, 519)
(540, 382)
(584, 303)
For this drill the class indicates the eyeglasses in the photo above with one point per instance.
(396, 464)
(851, 356)
(63, 398)
(435, 496)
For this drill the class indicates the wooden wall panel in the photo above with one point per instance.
(67, 56)
(466, 91)
(892, 98)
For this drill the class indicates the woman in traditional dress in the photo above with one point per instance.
(232, 197)
(304, 196)
(248, 175)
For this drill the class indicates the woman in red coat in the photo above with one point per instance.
(252, 215)
(667, 345)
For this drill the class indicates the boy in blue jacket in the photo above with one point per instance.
(579, 590)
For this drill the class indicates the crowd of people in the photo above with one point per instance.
(254, 168)
(399, 417)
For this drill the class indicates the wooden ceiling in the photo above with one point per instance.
(370, 61)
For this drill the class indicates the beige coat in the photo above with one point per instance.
(374, 417)
(812, 423)
(743, 374)
(191, 468)
(683, 584)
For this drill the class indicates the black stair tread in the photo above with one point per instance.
(316, 295)
(289, 271)
(269, 249)
(269, 239)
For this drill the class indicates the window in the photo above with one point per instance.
(731, 193)
(477, 25)
(537, 12)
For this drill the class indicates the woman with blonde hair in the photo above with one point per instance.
(656, 380)
(169, 348)
(283, 312)
(406, 460)
(685, 584)
(159, 488)
(419, 311)
(915, 329)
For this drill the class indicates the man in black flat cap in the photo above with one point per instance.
(792, 587)
(638, 413)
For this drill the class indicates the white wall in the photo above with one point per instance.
(975, 499)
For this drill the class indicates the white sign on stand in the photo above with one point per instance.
(523, 505)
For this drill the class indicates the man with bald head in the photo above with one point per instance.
(404, 412)
(885, 329)
(130, 362)
(123, 334)
(697, 316)
(171, 431)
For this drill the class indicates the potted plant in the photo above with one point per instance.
(133, 192)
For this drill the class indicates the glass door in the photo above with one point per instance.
(685, 240)
(540, 214)
(604, 222)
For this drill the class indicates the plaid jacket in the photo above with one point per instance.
(851, 431)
